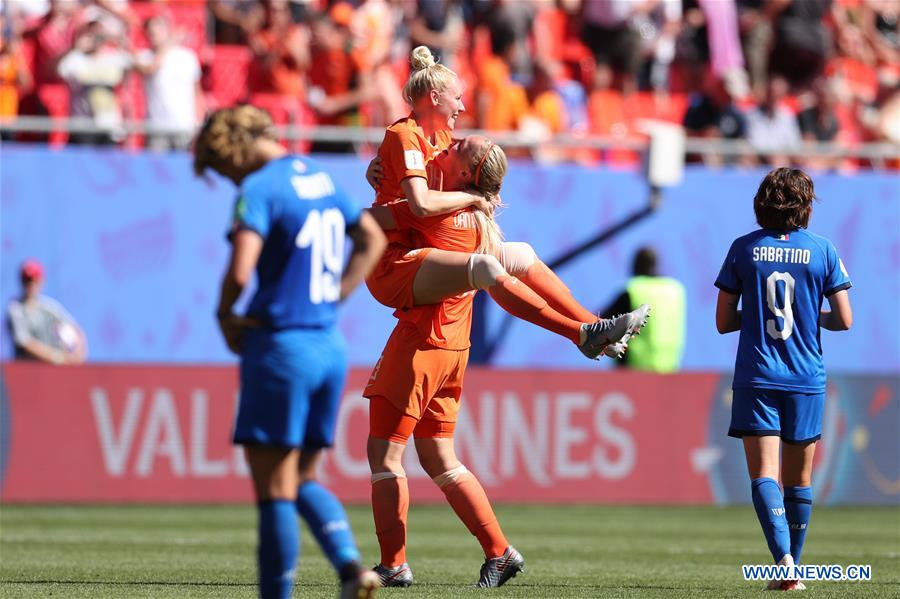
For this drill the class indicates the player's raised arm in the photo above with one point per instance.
(368, 244)
(728, 317)
(840, 318)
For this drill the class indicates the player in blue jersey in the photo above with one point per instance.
(290, 224)
(781, 273)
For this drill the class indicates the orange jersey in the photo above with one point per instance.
(448, 324)
(407, 152)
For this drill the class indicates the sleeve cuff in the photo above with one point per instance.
(726, 288)
(840, 287)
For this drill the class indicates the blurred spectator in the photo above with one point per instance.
(802, 42)
(818, 122)
(501, 103)
(756, 36)
(233, 21)
(280, 52)
(338, 82)
(40, 327)
(713, 113)
(514, 19)
(607, 115)
(14, 75)
(438, 25)
(693, 41)
(609, 33)
(660, 345)
(378, 40)
(94, 69)
(880, 26)
(659, 29)
(53, 35)
(171, 86)
(771, 127)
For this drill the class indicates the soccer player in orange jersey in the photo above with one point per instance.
(416, 385)
(411, 273)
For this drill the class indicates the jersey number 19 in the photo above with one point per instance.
(323, 233)
(786, 313)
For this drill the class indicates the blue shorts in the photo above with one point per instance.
(795, 417)
(291, 386)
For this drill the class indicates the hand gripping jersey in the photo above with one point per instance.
(782, 279)
(302, 217)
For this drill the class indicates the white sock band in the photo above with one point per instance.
(483, 271)
(379, 476)
(450, 476)
(517, 257)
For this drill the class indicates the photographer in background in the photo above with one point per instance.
(40, 327)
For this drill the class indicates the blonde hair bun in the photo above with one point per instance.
(421, 58)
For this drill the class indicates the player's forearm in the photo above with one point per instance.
(440, 202)
(368, 244)
(729, 323)
(833, 321)
(44, 352)
(231, 291)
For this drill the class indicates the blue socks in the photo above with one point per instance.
(278, 548)
(327, 521)
(770, 510)
(797, 508)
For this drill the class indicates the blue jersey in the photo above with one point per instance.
(782, 279)
(302, 217)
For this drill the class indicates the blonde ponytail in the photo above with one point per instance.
(425, 75)
(490, 169)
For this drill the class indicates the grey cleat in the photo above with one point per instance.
(362, 586)
(613, 333)
(401, 576)
(495, 572)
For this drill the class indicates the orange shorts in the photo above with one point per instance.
(391, 283)
(418, 381)
(387, 422)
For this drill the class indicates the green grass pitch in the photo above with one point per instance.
(579, 551)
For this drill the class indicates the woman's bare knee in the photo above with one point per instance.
(385, 456)
(437, 455)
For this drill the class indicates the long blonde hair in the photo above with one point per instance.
(425, 75)
(490, 166)
(226, 141)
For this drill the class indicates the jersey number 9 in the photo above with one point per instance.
(786, 313)
(323, 233)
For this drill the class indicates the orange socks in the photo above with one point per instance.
(468, 499)
(546, 284)
(519, 300)
(390, 504)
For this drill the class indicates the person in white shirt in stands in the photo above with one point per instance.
(172, 87)
(94, 69)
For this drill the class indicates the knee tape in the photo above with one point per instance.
(517, 257)
(450, 476)
(380, 476)
(484, 270)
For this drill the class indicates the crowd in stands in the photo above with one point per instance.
(775, 73)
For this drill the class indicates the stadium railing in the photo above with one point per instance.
(879, 154)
